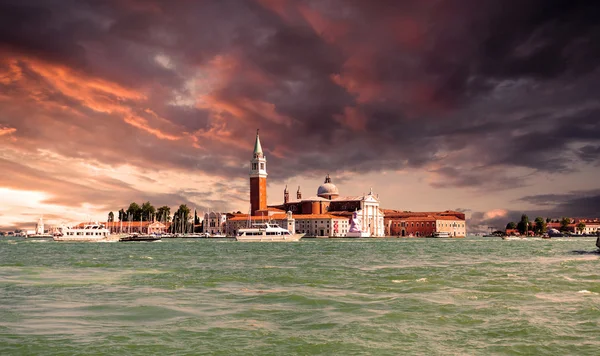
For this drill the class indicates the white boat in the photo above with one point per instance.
(441, 234)
(39, 233)
(88, 233)
(266, 232)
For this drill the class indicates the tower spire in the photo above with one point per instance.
(258, 152)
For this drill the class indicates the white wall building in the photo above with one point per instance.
(214, 223)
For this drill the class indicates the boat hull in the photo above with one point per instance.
(269, 238)
(139, 238)
(79, 239)
(39, 237)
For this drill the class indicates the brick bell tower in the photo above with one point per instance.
(258, 179)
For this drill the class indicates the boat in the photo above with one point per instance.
(512, 237)
(441, 234)
(266, 232)
(139, 237)
(87, 233)
(39, 233)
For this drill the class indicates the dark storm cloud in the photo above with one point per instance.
(574, 204)
(589, 153)
(365, 85)
(584, 204)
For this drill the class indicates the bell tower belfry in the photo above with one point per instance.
(258, 178)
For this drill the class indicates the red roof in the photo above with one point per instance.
(258, 217)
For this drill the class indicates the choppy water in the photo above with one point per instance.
(474, 296)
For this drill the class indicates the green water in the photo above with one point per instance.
(474, 296)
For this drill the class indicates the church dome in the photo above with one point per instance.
(328, 190)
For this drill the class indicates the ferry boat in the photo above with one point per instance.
(88, 233)
(266, 232)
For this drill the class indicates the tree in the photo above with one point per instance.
(122, 215)
(581, 227)
(147, 211)
(134, 212)
(564, 224)
(523, 225)
(540, 225)
(163, 214)
(511, 225)
(111, 217)
(548, 220)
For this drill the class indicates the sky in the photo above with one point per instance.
(483, 106)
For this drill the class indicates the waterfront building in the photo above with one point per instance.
(214, 223)
(592, 226)
(328, 202)
(420, 224)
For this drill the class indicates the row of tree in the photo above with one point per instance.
(540, 225)
(147, 212)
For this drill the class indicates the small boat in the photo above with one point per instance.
(263, 232)
(139, 237)
(512, 237)
(441, 234)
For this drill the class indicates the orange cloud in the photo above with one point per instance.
(11, 73)
(97, 94)
(142, 124)
(496, 213)
(94, 93)
(7, 130)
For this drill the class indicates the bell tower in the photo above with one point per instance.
(258, 178)
(286, 195)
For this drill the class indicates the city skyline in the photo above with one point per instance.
(435, 105)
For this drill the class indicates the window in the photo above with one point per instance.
(253, 166)
(262, 166)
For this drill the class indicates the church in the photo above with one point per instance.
(329, 214)
(326, 214)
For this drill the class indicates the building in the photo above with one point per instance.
(420, 224)
(214, 223)
(328, 213)
(592, 226)
(258, 178)
(328, 202)
(322, 225)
